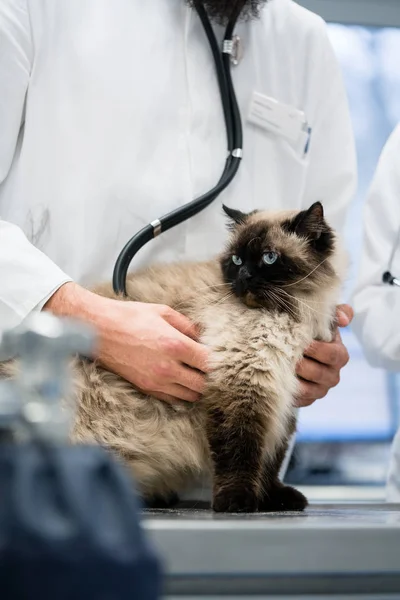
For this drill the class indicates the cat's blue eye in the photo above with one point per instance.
(236, 260)
(269, 258)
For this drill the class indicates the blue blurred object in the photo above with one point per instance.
(69, 515)
(69, 527)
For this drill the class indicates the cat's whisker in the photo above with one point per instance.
(212, 286)
(223, 299)
(270, 294)
(281, 290)
(290, 309)
(293, 306)
(310, 301)
(215, 303)
(318, 312)
(202, 289)
(307, 276)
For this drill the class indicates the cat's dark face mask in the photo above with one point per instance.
(270, 262)
(221, 10)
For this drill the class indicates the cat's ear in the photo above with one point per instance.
(237, 217)
(310, 223)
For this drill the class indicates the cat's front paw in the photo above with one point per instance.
(235, 501)
(283, 498)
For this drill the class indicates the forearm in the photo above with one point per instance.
(27, 276)
(376, 324)
(377, 306)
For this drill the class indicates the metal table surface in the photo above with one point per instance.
(348, 550)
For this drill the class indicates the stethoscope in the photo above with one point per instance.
(223, 60)
(387, 277)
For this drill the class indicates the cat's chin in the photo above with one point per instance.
(250, 300)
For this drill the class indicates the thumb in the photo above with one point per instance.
(344, 315)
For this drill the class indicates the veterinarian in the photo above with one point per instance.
(377, 293)
(110, 116)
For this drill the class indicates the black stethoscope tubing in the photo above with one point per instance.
(234, 132)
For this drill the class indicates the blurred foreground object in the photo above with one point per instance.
(69, 524)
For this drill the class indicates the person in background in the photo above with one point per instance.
(110, 117)
(377, 304)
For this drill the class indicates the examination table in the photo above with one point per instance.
(330, 551)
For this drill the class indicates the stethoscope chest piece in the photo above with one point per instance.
(387, 277)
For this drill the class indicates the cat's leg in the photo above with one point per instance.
(235, 437)
(276, 496)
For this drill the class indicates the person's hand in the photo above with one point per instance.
(151, 346)
(319, 371)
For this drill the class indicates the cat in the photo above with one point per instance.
(259, 304)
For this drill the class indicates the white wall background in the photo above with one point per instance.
(364, 405)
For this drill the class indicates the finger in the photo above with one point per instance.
(170, 399)
(343, 355)
(344, 315)
(314, 372)
(304, 397)
(189, 378)
(165, 398)
(182, 393)
(309, 393)
(180, 348)
(195, 355)
(324, 352)
(181, 323)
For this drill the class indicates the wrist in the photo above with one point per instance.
(101, 313)
(72, 300)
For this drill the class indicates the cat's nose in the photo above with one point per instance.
(243, 280)
(244, 273)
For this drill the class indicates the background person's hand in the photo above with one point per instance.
(319, 371)
(149, 345)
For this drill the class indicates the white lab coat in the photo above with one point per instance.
(110, 117)
(377, 305)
